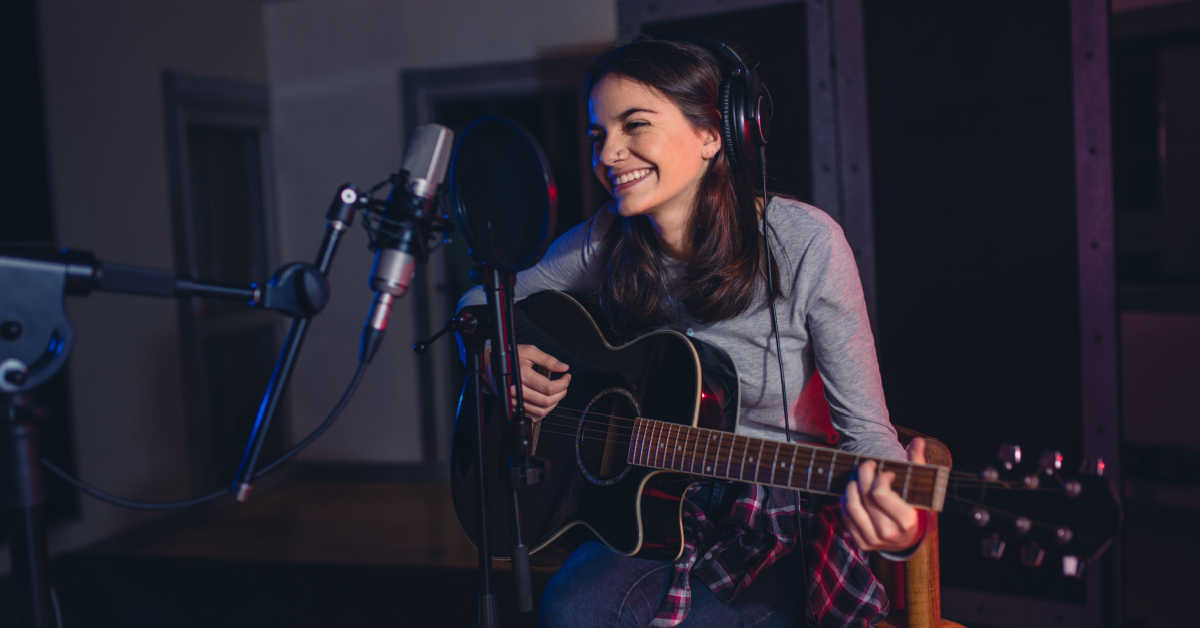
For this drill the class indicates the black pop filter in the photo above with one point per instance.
(503, 194)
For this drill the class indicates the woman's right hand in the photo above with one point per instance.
(540, 392)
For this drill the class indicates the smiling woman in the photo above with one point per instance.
(687, 244)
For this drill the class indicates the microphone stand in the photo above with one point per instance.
(524, 470)
(39, 339)
(339, 218)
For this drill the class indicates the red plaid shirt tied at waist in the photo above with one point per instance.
(727, 555)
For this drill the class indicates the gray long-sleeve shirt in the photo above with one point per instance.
(822, 319)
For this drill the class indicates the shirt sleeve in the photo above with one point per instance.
(844, 349)
(835, 314)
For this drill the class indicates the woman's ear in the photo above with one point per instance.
(710, 143)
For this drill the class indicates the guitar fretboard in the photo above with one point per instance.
(810, 468)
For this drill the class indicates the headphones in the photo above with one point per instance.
(744, 103)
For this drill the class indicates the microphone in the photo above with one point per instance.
(404, 228)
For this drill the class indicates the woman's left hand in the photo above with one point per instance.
(877, 517)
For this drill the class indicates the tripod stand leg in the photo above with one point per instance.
(24, 500)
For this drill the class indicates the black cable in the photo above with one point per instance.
(121, 501)
(187, 503)
(320, 429)
(787, 420)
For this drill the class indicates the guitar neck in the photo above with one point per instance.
(813, 469)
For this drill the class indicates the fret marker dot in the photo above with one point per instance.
(710, 468)
(751, 458)
(783, 465)
(820, 471)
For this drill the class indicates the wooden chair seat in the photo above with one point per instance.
(914, 586)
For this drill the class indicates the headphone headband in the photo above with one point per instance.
(741, 99)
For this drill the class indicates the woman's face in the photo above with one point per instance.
(645, 152)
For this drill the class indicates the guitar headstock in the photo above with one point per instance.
(1047, 517)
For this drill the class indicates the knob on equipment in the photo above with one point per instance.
(1009, 455)
(1050, 461)
(1032, 555)
(992, 547)
(1072, 566)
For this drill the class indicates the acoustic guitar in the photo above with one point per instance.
(644, 420)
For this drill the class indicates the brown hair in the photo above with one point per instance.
(721, 280)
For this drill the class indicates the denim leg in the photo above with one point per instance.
(598, 587)
(776, 599)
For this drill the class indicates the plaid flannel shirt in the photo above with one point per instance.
(759, 531)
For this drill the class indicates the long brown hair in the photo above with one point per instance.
(721, 280)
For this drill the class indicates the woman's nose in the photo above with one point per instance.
(611, 151)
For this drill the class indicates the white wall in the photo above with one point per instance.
(334, 73)
(102, 64)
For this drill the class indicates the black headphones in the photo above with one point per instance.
(744, 101)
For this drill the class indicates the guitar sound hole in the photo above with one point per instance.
(602, 438)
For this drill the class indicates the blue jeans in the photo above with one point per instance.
(598, 587)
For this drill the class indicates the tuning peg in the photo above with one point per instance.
(980, 516)
(992, 547)
(1063, 534)
(1031, 481)
(1073, 488)
(1032, 555)
(1093, 466)
(1072, 566)
(990, 474)
(1009, 455)
(1050, 461)
(1023, 525)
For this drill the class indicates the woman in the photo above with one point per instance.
(680, 246)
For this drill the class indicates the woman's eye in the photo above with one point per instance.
(595, 136)
(633, 124)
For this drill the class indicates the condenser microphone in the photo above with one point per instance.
(404, 227)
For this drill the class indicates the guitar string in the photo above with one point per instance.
(571, 414)
(964, 481)
(601, 431)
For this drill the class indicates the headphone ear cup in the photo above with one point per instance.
(728, 133)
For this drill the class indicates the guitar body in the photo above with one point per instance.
(589, 490)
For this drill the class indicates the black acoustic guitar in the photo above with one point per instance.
(640, 423)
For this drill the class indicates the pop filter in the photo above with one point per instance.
(503, 194)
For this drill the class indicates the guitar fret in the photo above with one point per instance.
(907, 476)
(792, 467)
(670, 449)
(756, 470)
(641, 443)
(775, 463)
(812, 457)
(680, 447)
(662, 445)
(694, 448)
(704, 461)
(717, 458)
(635, 449)
(829, 480)
(658, 446)
(741, 470)
(673, 450)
